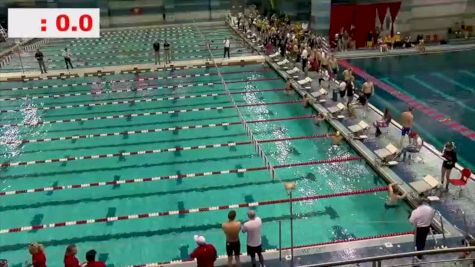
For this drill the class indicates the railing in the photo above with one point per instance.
(378, 260)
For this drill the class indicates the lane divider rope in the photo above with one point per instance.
(189, 211)
(146, 114)
(177, 176)
(154, 151)
(141, 100)
(156, 130)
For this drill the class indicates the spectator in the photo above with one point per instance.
(227, 47)
(40, 58)
(333, 63)
(38, 257)
(156, 49)
(166, 48)
(254, 243)
(342, 88)
(91, 259)
(231, 229)
(422, 218)
(450, 158)
(67, 58)
(350, 91)
(205, 254)
(70, 259)
(407, 118)
(304, 57)
(384, 122)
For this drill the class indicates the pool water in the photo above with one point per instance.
(162, 239)
(443, 81)
(132, 47)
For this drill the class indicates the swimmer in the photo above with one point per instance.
(289, 89)
(319, 118)
(394, 195)
(307, 100)
(407, 118)
(337, 138)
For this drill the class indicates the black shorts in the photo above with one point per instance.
(367, 95)
(233, 248)
(252, 251)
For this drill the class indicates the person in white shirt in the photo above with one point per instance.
(304, 57)
(254, 241)
(422, 218)
(67, 58)
(227, 46)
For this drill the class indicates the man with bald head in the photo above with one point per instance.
(254, 242)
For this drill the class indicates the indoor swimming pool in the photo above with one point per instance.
(139, 163)
(440, 87)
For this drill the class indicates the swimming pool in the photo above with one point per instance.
(168, 141)
(443, 82)
(133, 46)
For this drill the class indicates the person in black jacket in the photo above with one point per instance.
(450, 158)
(40, 58)
(156, 49)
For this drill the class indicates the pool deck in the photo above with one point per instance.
(450, 204)
(372, 53)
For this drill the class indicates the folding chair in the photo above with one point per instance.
(462, 181)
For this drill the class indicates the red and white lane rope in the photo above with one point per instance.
(142, 89)
(171, 77)
(382, 236)
(153, 151)
(259, 149)
(177, 176)
(146, 114)
(189, 211)
(156, 130)
(141, 100)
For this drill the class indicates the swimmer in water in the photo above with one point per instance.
(394, 195)
(319, 118)
(289, 89)
(307, 100)
(337, 139)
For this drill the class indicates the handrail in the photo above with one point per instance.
(394, 256)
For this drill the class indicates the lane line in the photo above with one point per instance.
(452, 81)
(189, 211)
(171, 77)
(176, 176)
(156, 130)
(154, 151)
(141, 100)
(146, 114)
(432, 113)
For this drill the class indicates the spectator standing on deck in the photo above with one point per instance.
(304, 57)
(227, 47)
(205, 254)
(40, 58)
(67, 58)
(38, 258)
(70, 259)
(368, 89)
(254, 242)
(166, 48)
(407, 118)
(156, 49)
(231, 229)
(450, 158)
(91, 259)
(422, 218)
(384, 122)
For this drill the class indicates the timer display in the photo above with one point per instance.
(53, 22)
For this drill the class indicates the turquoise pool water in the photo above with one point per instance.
(167, 238)
(442, 81)
(132, 47)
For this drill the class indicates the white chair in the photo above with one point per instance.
(359, 128)
(283, 62)
(305, 81)
(293, 71)
(388, 154)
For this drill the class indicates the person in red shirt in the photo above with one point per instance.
(205, 254)
(70, 259)
(38, 258)
(91, 259)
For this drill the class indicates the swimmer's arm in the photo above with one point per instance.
(403, 196)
